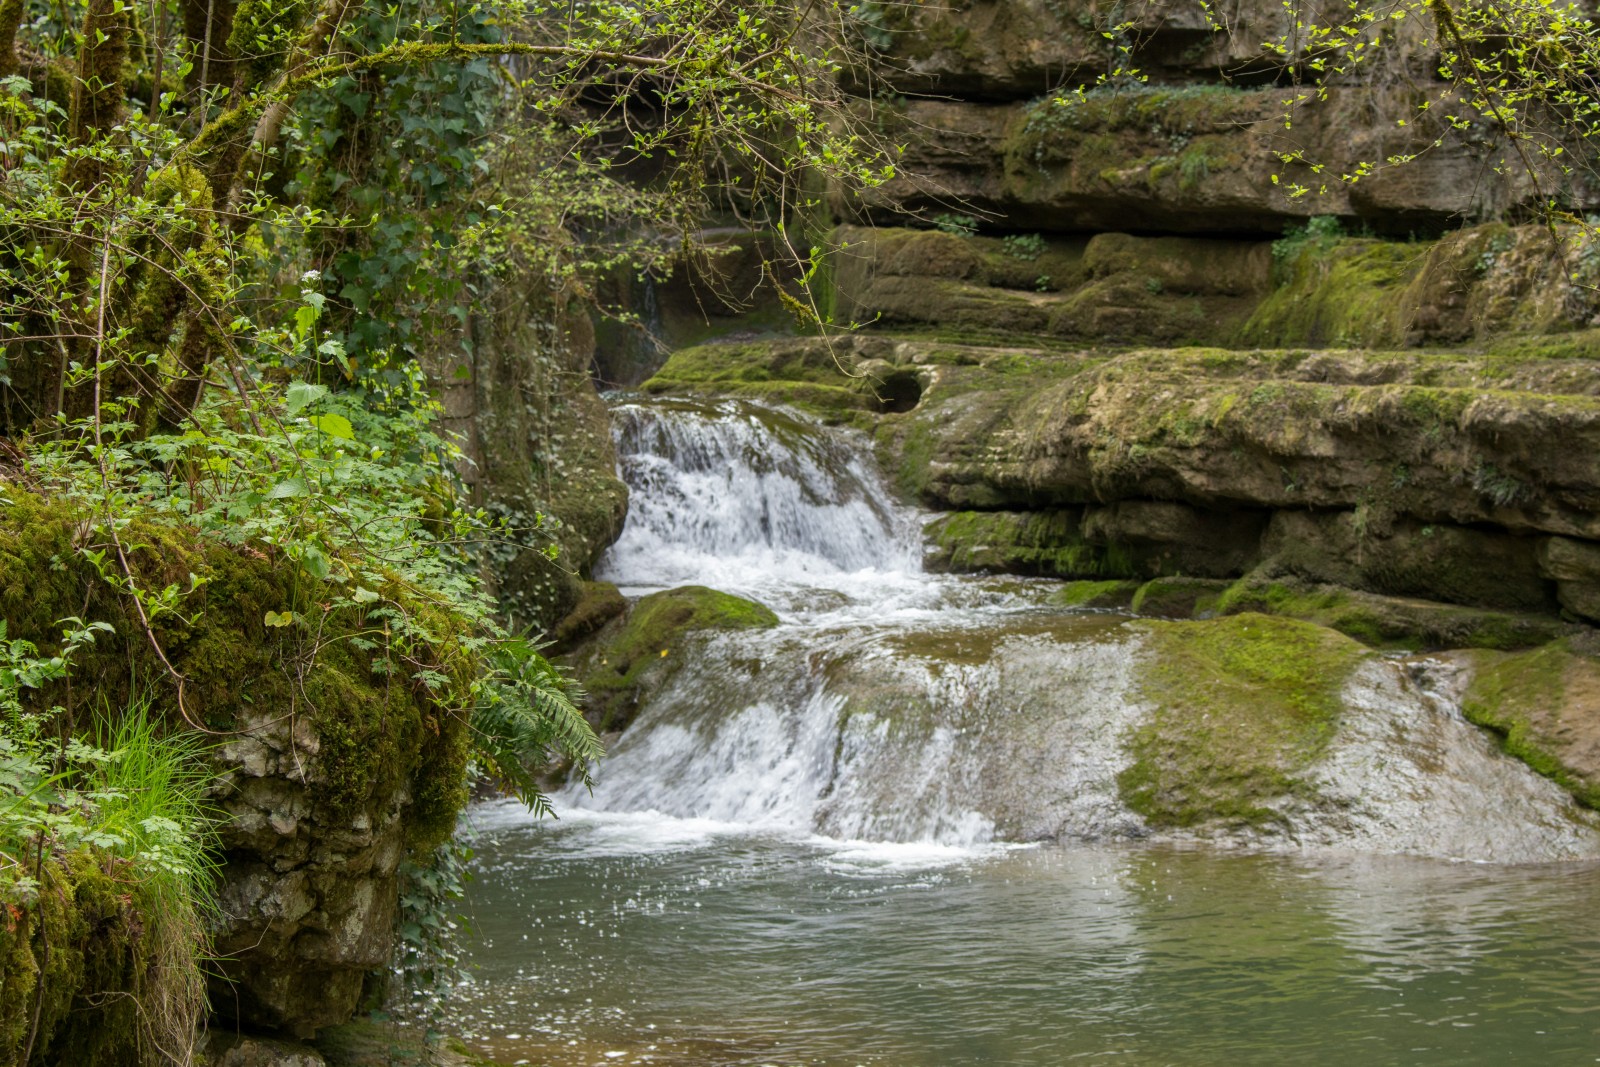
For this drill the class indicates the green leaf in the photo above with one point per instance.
(315, 562)
(290, 488)
(279, 619)
(302, 394)
(334, 426)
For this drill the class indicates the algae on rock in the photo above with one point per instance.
(1545, 706)
(1239, 708)
(634, 654)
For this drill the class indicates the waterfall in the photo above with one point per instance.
(742, 498)
(891, 705)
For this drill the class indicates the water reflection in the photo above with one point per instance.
(686, 942)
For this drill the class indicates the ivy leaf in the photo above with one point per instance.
(279, 619)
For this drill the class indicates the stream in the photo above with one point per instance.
(889, 832)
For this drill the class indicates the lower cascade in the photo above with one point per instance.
(889, 705)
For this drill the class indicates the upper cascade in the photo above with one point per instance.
(738, 497)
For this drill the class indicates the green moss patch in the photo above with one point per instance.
(1112, 593)
(1178, 598)
(1397, 623)
(1344, 292)
(1544, 705)
(599, 604)
(379, 736)
(802, 373)
(74, 966)
(1045, 543)
(1239, 707)
(637, 651)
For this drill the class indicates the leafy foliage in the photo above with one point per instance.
(232, 238)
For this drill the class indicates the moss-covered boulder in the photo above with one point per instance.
(1481, 283)
(1386, 622)
(634, 654)
(1544, 704)
(1109, 288)
(598, 604)
(80, 967)
(1107, 594)
(1457, 439)
(1178, 597)
(827, 381)
(327, 769)
(1047, 543)
(1239, 707)
(1367, 548)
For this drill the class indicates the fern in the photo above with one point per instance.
(528, 720)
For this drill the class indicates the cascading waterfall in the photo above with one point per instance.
(896, 706)
(744, 496)
(801, 849)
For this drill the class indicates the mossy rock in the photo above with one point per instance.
(1544, 705)
(804, 374)
(328, 765)
(1109, 594)
(1178, 597)
(88, 939)
(635, 653)
(1047, 543)
(1240, 707)
(1393, 623)
(541, 446)
(1340, 291)
(376, 738)
(1364, 548)
(599, 603)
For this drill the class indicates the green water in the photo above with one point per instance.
(640, 939)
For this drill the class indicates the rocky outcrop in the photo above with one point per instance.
(1005, 116)
(1195, 159)
(538, 444)
(309, 898)
(1021, 49)
(326, 770)
(1457, 478)
(1545, 706)
(1487, 283)
(634, 654)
